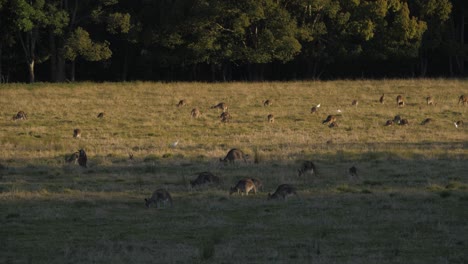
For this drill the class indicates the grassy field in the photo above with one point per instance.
(408, 205)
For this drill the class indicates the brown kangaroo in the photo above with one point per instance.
(283, 191)
(329, 119)
(204, 178)
(389, 123)
(430, 100)
(400, 101)
(182, 103)
(426, 121)
(225, 117)
(243, 186)
(233, 155)
(355, 103)
(82, 158)
(382, 99)
(160, 196)
(21, 115)
(100, 115)
(221, 106)
(267, 103)
(271, 118)
(77, 133)
(307, 167)
(463, 99)
(195, 113)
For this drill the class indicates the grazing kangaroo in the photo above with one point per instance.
(283, 191)
(204, 178)
(159, 197)
(463, 99)
(77, 133)
(430, 100)
(355, 103)
(21, 115)
(382, 99)
(221, 106)
(426, 121)
(243, 186)
(404, 122)
(225, 117)
(182, 103)
(82, 158)
(267, 103)
(100, 115)
(307, 167)
(73, 158)
(399, 100)
(195, 113)
(329, 119)
(258, 183)
(389, 123)
(353, 171)
(271, 118)
(333, 124)
(233, 155)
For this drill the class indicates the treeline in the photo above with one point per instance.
(223, 40)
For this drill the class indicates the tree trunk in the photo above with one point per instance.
(31, 71)
(53, 58)
(1, 73)
(125, 64)
(72, 71)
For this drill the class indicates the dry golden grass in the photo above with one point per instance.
(408, 204)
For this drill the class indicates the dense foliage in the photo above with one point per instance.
(216, 40)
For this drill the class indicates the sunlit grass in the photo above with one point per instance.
(408, 204)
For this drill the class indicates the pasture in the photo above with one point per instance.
(408, 205)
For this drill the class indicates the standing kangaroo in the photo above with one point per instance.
(77, 133)
(399, 100)
(307, 167)
(233, 155)
(283, 191)
(463, 99)
(430, 100)
(195, 113)
(82, 158)
(243, 186)
(160, 196)
(271, 118)
(382, 99)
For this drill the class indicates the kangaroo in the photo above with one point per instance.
(458, 124)
(267, 103)
(221, 106)
(130, 156)
(399, 100)
(77, 133)
(195, 113)
(353, 171)
(283, 191)
(233, 155)
(182, 103)
(389, 123)
(313, 110)
(329, 119)
(382, 99)
(257, 182)
(397, 119)
(271, 118)
(355, 102)
(404, 122)
(243, 186)
(159, 197)
(82, 158)
(100, 115)
(204, 178)
(73, 158)
(307, 167)
(463, 99)
(21, 115)
(333, 124)
(426, 121)
(225, 117)
(430, 100)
